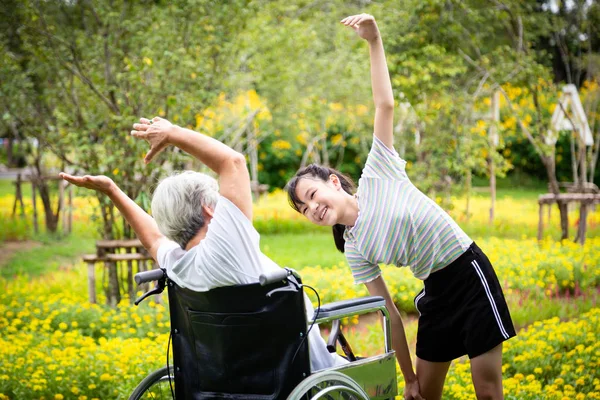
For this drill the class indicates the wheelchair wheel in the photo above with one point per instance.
(155, 386)
(328, 385)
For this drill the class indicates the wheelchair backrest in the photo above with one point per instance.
(238, 343)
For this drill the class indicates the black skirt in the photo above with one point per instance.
(462, 310)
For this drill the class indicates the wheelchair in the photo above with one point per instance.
(249, 342)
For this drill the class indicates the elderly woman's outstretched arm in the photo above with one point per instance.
(143, 224)
(234, 179)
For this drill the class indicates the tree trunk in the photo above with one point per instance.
(564, 219)
(44, 191)
(562, 206)
(582, 160)
(114, 293)
(107, 222)
(9, 152)
(574, 161)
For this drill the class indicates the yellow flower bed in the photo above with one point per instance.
(55, 345)
(548, 360)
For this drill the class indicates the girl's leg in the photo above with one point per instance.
(431, 376)
(486, 371)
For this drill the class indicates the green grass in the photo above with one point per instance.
(514, 180)
(300, 250)
(50, 256)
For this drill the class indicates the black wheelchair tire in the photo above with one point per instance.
(154, 378)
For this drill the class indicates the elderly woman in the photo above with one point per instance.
(202, 232)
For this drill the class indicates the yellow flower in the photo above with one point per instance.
(281, 144)
(105, 377)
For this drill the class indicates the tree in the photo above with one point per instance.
(95, 67)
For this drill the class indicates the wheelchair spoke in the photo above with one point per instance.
(328, 385)
(155, 386)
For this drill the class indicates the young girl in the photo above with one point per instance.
(462, 308)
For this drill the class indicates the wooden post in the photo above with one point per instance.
(18, 197)
(541, 221)
(114, 293)
(61, 201)
(582, 226)
(92, 282)
(582, 159)
(130, 287)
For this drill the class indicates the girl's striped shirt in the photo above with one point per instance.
(397, 224)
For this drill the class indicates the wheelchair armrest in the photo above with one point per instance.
(347, 308)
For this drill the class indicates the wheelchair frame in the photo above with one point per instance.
(368, 378)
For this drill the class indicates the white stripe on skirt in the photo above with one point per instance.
(419, 297)
(490, 298)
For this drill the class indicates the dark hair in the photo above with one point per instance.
(321, 173)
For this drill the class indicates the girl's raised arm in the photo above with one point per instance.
(366, 27)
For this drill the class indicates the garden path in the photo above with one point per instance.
(8, 248)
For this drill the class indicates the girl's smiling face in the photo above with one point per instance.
(322, 202)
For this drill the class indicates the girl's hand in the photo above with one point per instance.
(411, 391)
(100, 183)
(156, 132)
(364, 25)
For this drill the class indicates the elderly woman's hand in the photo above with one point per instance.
(100, 183)
(156, 132)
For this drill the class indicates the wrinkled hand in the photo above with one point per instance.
(100, 183)
(412, 391)
(364, 25)
(155, 132)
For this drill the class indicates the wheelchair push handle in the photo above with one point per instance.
(275, 276)
(149, 276)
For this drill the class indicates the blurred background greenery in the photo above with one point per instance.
(286, 84)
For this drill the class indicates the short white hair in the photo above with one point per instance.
(177, 204)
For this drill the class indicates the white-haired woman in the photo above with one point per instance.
(202, 232)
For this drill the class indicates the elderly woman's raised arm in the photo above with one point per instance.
(143, 224)
(230, 165)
